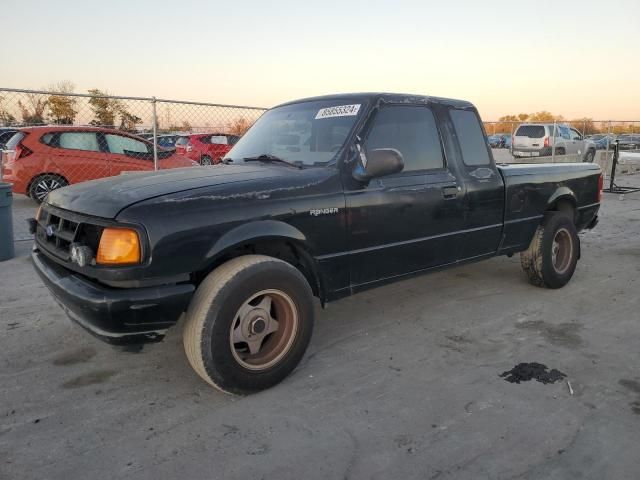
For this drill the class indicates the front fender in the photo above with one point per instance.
(253, 231)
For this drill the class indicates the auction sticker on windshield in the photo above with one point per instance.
(338, 111)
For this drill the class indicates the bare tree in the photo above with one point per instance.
(33, 109)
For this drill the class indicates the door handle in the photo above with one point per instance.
(449, 192)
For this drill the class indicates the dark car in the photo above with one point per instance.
(166, 140)
(494, 141)
(324, 197)
(504, 140)
(628, 142)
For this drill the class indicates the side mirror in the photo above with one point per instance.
(379, 162)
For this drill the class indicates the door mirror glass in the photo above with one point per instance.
(378, 163)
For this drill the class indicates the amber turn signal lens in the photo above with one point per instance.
(118, 246)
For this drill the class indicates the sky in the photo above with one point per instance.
(574, 58)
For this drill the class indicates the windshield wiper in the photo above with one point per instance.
(266, 157)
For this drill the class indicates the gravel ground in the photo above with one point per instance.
(399, 382)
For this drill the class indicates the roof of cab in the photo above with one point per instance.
(384, 96)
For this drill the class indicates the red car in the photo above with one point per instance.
(41, 159)
(206, 148)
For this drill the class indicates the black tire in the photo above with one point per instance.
(206, 160)
(41, 185)
(560, 151)
(214, 314)
(543, 268)
(589, 156)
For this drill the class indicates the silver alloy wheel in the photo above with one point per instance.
(562, 250)
(264, 329)
(206, 160)
(44, 186)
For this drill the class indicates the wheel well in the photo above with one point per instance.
(566, 205)
(286, 250)
(44, 174)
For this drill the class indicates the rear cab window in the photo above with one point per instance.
(473, 147)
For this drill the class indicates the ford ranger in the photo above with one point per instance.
(323, 197)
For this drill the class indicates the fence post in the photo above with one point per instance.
(553, 144)
(155, 134)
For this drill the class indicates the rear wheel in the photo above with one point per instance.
(249, 324)
(589, 156)
(206, 160)
(43, 184)
(552, 256)
(560, 151)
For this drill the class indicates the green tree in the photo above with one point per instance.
(128, 121)
(104, 108)
(62, 107)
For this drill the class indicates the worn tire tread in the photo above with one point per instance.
(531, 259)
(204, 300)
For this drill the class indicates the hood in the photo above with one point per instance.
(108, 196)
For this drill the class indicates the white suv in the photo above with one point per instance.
(538, 139)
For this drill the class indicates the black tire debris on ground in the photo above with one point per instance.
(523, 372)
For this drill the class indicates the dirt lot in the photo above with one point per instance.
(399, 382)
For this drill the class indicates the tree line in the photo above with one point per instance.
(59, 107)
(508, 123)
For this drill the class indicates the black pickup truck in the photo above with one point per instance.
(323, 197)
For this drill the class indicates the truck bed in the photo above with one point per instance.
(531, 188)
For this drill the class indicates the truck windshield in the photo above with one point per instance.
(306, 133)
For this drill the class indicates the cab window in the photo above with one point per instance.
(470, 138)
(412, 131)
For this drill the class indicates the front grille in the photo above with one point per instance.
(57, 230)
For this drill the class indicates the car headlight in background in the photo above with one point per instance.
(118, 246)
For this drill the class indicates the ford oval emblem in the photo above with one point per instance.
(50, 230)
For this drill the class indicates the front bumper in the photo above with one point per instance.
(114, 315)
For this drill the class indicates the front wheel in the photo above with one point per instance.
(249, 324)
(552, 256)
(206, 160)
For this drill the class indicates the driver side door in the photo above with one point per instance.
(405, 222)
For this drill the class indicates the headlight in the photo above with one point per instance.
(80, 254)
(118, 246)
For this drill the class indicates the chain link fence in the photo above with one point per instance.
(69, 137)
(573, 140)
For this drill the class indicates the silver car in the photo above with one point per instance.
(538, 140)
